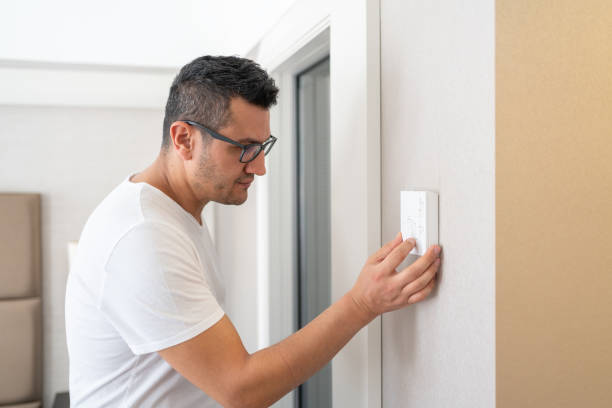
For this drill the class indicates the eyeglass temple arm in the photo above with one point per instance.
(215, 134)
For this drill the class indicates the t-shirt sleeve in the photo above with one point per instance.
(155, 292)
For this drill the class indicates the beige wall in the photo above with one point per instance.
(554, 203)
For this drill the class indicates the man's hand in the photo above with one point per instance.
(380, 288)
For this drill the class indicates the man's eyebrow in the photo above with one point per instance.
(248, 140)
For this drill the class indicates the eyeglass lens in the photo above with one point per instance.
(250, 153)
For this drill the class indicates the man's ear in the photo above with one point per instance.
(181, 135)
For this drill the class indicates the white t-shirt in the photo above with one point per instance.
(144, 278)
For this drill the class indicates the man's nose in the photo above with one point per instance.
(257, 165)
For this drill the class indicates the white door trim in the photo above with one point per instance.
(349, 31)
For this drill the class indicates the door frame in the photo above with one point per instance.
(349, 32)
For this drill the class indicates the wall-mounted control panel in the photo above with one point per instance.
(419, 218)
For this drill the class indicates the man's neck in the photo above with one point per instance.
(172, 183)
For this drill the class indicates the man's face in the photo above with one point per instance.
(219, 175)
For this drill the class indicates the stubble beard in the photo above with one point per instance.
(207, 171)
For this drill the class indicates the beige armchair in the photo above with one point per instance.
(20, 303)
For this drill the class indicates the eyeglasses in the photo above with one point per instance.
(249, 151)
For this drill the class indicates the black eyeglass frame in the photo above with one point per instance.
(265, 146)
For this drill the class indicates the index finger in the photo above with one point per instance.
(398, 254)
(385, 249)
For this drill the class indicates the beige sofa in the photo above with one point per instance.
(20, 303)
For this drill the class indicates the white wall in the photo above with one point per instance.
(73, 157)
(236, 242)
(437, 74)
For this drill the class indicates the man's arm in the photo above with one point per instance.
(217, 362)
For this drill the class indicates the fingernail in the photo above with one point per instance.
(412, 241)
(437, 250)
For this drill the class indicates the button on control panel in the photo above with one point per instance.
(419, 218)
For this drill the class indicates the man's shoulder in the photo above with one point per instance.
(119, 210)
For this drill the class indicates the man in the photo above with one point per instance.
(144, 318)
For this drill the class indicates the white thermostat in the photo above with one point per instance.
(419, 218)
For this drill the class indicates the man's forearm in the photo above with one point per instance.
(272, 372)
(217, 362)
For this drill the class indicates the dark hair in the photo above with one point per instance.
(203, 88)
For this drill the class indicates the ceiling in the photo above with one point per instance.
(132, 32)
